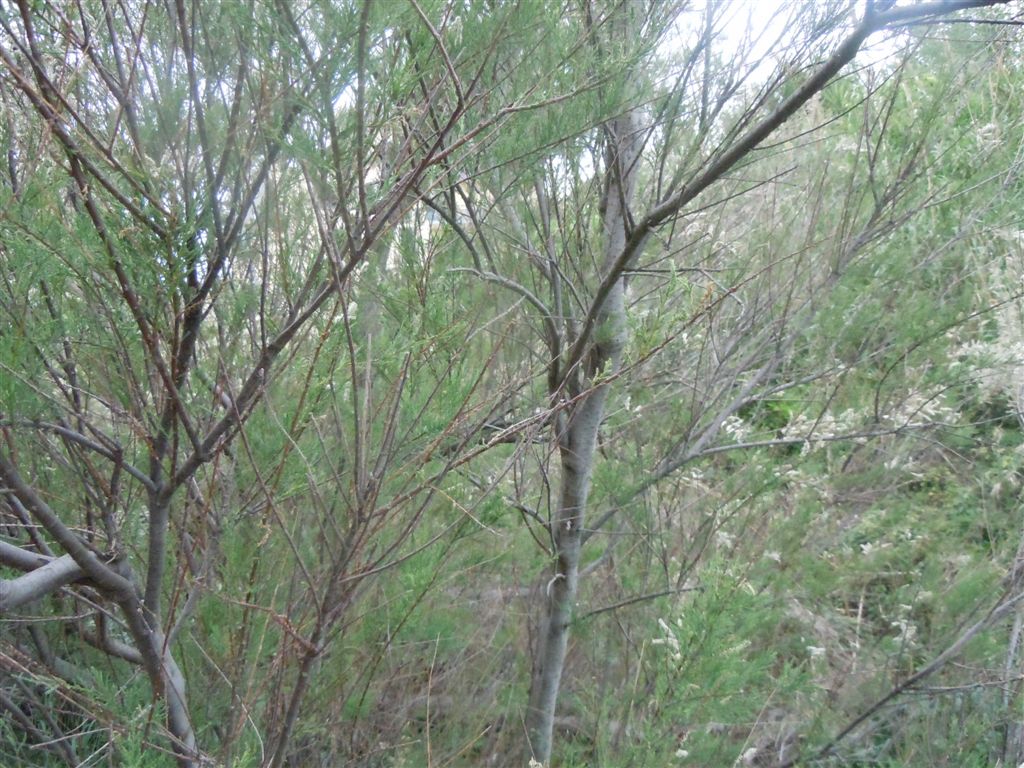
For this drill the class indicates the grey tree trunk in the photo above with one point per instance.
(578, 441)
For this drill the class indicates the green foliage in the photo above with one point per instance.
(719, 668)
(848, 297)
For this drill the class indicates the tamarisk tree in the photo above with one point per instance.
(249, 261)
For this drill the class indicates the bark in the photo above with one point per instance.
(178, 721)
(38, 583)
(116, 581)
(165, 678)
(22, 559)
(578, 444)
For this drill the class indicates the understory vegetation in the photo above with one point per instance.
(461, 383)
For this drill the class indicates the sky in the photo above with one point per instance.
(764, 22)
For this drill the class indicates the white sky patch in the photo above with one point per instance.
(764, 32)
(345, 100)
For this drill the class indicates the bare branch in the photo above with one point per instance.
(36, 584)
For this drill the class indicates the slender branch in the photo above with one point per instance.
(443, 50)
(635, 600)
(25, 722)
(661, 473)
(1002, 608)
(79, 439)
(671, 207)
(549, 321)
(36, 584)
(101, 573)
(47, 112)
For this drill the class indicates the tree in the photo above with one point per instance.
(192, 194)
(586, 353)
(256, 258)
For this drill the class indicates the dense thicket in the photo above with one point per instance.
(472, 383)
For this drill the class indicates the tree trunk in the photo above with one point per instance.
(578, 443)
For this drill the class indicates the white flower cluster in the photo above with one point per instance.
(997, 367)
(669, 639)
(796, 478)
(868, 548)
(736, 428)
(919, 407)
(819, 426)
(906, 630)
